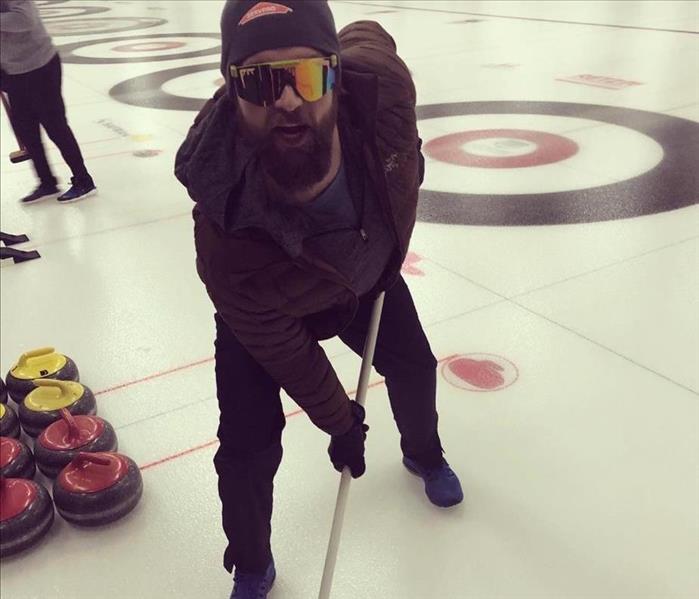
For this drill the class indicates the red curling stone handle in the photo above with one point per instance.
(91, 457)
(73, 428)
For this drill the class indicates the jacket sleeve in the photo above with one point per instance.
(277, 338)
(369, 50)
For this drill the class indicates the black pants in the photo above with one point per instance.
(36, 100)
(252, 419)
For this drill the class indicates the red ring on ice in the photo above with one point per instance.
(148, 47)
(550, 148)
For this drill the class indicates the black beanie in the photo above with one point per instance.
(249, 27)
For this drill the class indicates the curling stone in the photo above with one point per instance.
(26, 514)
(42, 406)
(97, 488)
(9, 423)
(58, 444)
(16, 459)
(3, 392)
(41, 363)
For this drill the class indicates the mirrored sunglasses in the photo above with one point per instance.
(263, 84)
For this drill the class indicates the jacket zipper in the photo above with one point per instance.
(362, 233)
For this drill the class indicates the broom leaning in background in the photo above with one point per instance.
(18, 155)
(5, 238)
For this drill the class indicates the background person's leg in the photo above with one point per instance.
(51, 109)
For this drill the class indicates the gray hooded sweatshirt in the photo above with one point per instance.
(25, 45)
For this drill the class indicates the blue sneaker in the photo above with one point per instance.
(253, 586)
(442, 486)
(79, 190)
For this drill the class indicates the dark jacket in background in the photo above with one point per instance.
(279, 306)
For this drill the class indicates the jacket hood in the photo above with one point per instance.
(212, 159)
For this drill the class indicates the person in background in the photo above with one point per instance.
(31, 77)
(305, 171)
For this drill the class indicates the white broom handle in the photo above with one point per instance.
(346, 478)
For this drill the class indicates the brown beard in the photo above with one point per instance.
(301, 167)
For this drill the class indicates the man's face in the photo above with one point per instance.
(293, 137)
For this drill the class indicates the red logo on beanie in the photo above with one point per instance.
(263, 9)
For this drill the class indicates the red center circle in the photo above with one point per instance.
(148, 47)
(550, 148)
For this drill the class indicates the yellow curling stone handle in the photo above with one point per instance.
(53, 394)
(32, 363)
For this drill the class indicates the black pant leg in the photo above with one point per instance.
(52, 114)
(404, 357)
(250, 430)
(26, 121)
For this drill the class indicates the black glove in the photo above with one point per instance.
(348, 450)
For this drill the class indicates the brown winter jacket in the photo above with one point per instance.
(278, 307)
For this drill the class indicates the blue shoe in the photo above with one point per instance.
(442, 486)
(79, 190)
(253, 586)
